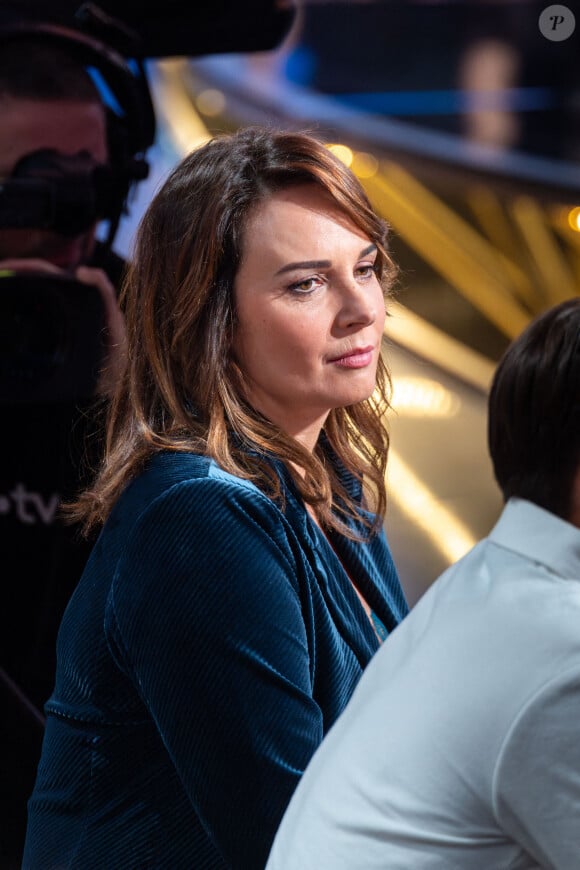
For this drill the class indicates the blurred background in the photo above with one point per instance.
(462, 121)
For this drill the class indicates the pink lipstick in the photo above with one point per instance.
(358, 358)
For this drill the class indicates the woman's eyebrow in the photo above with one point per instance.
(320, 264)
(305, 264)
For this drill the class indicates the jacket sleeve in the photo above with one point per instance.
(212, 629)
(537, 778)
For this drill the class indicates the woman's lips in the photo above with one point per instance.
(355, 359)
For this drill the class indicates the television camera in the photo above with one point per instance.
(50, 326)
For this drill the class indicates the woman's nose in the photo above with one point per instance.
(359, 304)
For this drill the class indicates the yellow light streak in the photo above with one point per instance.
(423, 397)
(454, 249)
(574, 219)
(557, 277)
(185, 126)
(446, 532)
(414, 333)
(499, 229)
(364, 165)
(342, 152)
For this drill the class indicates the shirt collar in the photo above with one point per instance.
(540, 535)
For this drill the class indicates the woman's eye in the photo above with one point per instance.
(307, 285)
(366, 271)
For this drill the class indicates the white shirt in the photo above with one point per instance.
(460, 747)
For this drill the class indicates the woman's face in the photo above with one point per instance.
(310, 311)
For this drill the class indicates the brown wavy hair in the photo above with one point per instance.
(181, 389)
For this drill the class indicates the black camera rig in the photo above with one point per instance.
(41, 184)
(51, 338)
(63, 193)
(51, 326)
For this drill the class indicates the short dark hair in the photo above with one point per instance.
(534, 411)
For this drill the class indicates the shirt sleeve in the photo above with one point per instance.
(212, 623)
(537, 778)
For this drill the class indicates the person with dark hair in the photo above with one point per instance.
(459, 747)
(52, 103)
(241, 580)
(55, 130)
(534, 414)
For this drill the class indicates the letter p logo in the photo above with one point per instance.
(557, 23)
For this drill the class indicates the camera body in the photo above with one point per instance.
(126, 95)
(66, 194)
(51, 327)
(51, 338)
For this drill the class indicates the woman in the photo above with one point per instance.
(239, 586)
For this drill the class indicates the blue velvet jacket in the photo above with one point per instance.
(212, 641)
